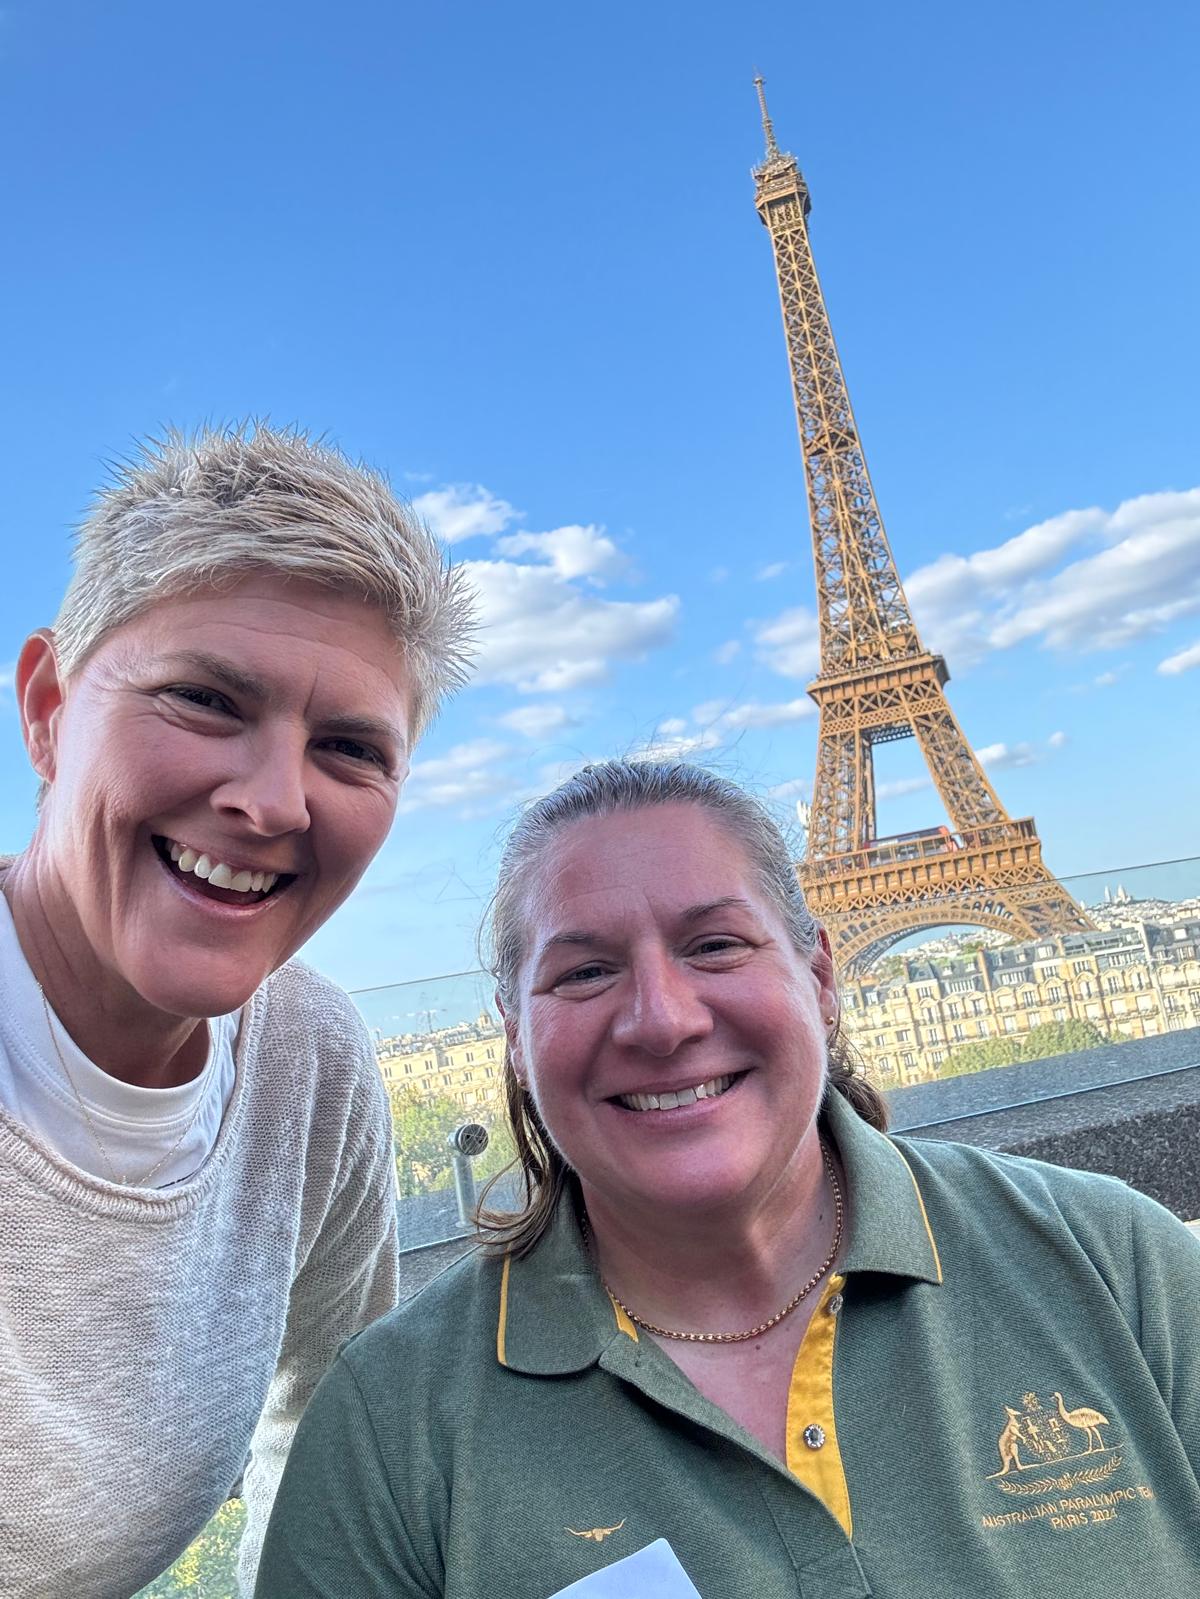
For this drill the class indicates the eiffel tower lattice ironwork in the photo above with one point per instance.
(876, 681)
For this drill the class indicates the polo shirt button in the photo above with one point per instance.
(835, 1304)
(814, 1436)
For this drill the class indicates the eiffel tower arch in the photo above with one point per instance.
(876, 681)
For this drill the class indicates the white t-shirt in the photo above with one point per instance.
(138, 1127)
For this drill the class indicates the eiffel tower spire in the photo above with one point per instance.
(876, 680)
(768, 130)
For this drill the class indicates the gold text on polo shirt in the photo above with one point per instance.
(1048, 1452)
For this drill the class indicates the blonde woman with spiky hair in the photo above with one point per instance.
(196, 1182)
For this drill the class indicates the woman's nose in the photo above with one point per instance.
(269, 788)
(662, 1010)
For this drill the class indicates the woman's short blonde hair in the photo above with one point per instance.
(202, 511)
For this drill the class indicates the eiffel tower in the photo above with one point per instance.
(877, 682)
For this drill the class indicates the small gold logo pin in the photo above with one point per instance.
(598, 1534)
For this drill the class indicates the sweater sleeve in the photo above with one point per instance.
(348, 1279)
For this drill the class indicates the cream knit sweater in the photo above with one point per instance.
(146, 1338)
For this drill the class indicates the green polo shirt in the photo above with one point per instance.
(998, 1394)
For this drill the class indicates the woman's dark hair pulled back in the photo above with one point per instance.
(603, 789)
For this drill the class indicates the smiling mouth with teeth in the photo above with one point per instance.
(712, 1089)
(215, 879)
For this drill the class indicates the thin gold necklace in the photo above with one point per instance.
(772, 1321)
(127, 1181)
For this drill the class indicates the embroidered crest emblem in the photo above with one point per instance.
(1038, 1436)
(598, 1534)
(1059, 1466)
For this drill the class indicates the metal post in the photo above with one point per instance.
(466, 1141)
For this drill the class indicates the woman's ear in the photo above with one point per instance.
(41, 694)
(512, 1039)
(826, 977)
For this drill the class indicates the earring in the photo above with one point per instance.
(829, 1020)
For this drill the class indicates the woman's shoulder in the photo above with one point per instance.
(304, 1039)
(967, 1171)
(995, 1190)
(299, 1012)
(449, 1326)
(301, 994)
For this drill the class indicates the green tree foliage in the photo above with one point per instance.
(207, 1569)
(1050, 1038)
(421, 1125)
(1062, 1038)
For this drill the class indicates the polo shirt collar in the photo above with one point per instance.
(888, 1227)
(555, 1315)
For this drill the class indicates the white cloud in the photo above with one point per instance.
(1023, 556)
(541, 628)
(717, 722)
(710, 710)
(572, 551)
(1002, 756)
(724, 653)
(897, 787)
(464, 511)
(678, 748)
(469, 778)
(737, 718)
(1088, 579)
(1144, 574)
(996, 757)
(8, 675)
(537, 721)
(793, 788)
(772, 570)
(1105, 679)
(563, 676)
(544, 636)
(1182, 661)
(790, 644)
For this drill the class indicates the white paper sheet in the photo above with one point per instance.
(652, 1573)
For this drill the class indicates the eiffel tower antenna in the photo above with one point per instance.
(876, 681)
(768, 130)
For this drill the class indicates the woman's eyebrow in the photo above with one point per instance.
(570, 940)
(248, 686)
(363, 727)
(225, 672)
(698, 913)
(573, 938)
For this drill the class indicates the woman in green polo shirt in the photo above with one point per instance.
(738, 1342)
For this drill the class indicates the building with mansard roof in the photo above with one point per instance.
(463, 1062)
(1134, 980)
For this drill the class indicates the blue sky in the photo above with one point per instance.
(510, 255)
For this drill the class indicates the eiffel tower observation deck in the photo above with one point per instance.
(877, 682)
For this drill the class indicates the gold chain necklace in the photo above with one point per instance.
(137, 1182)
(772, 1321)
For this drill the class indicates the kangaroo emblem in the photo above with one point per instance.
(1007, 1444)
(598, 1534)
